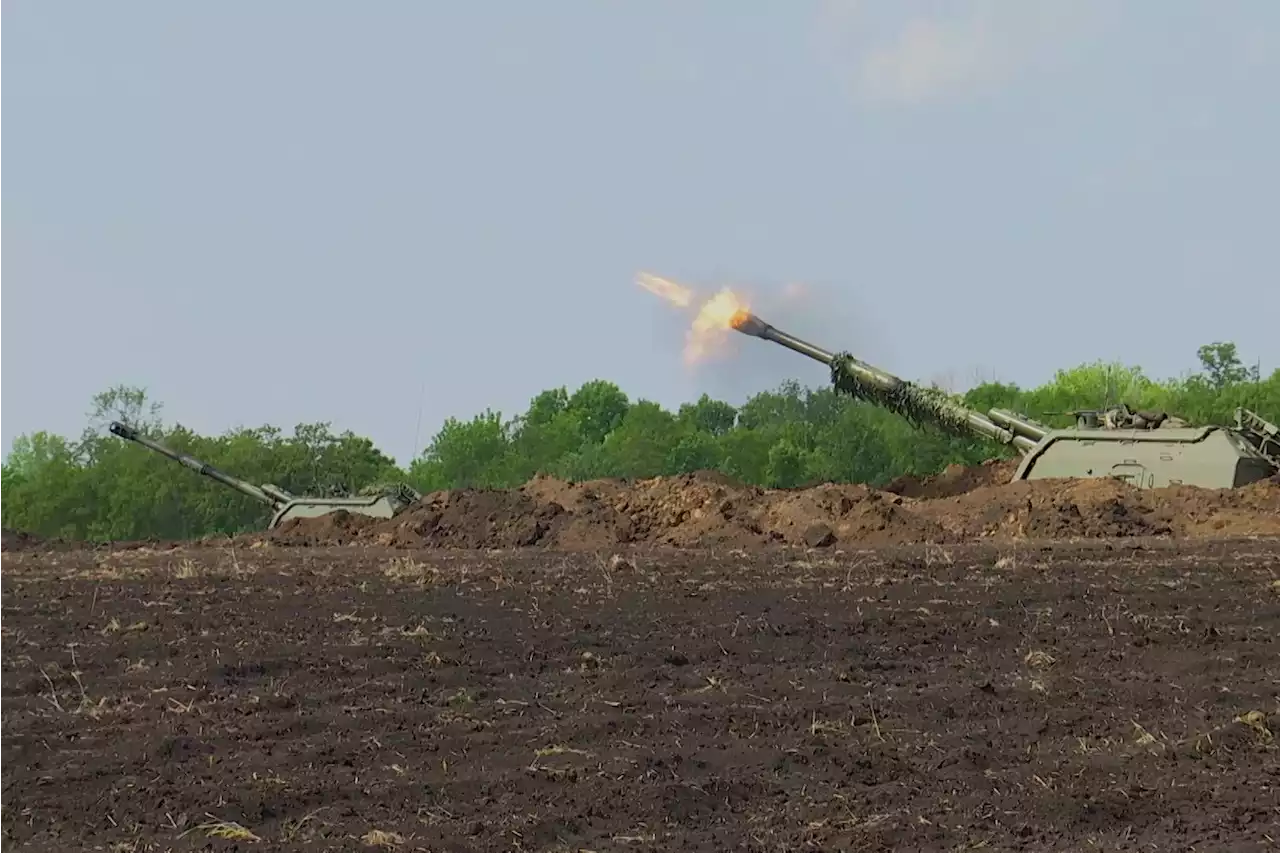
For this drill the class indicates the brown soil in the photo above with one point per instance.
(703, 509)
(17, 540)
(955, 480)
(1020, 696)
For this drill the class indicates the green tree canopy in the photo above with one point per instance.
(100, 487)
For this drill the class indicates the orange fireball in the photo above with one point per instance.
(721, 313)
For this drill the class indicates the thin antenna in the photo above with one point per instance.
(417, 430)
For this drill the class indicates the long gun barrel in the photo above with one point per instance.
(269, 495)
(919, 405)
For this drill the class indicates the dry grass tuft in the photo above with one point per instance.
(409, 570)
(546, 751)
(1257, 721)
(1039, 659)
(228, 829)
(382, 838)
(293, 828)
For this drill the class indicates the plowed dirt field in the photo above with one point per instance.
(1023, 695)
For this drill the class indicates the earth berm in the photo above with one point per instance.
(706, 510)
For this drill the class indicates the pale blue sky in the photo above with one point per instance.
(298, 211)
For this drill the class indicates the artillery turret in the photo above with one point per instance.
(385, 502)
(1147, 449)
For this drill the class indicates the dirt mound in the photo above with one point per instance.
(1050, 510)
(825, 515)
(701, 508)
(710, 510)
(469, 518)
(17, 541)
(954, 480)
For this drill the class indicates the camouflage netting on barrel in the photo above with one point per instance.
(402, 492)
(923, 407)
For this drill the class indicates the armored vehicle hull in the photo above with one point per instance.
(1208, 457)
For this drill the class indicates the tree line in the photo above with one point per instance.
(98, 487)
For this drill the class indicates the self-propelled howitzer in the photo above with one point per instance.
(1147, 449)
(381, 503)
